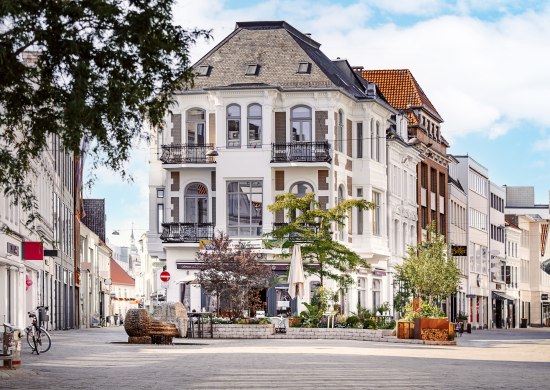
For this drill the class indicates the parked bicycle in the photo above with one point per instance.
(37, 337)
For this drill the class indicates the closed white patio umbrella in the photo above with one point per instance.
(296, 277)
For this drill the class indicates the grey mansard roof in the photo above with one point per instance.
(278, 48)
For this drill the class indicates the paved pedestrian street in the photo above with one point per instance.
(101, 359)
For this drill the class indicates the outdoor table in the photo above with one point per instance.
(330, 319)
(200, 316)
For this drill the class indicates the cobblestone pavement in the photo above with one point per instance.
(101, 358)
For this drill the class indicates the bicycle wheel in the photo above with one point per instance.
(43, 340)
(30, 341)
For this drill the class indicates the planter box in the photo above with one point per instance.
(405, 330)
(441, 324)
(294, 322)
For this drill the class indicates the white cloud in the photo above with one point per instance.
(481, 76)
(410, 7)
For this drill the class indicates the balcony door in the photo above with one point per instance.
(300, 118)
(196, 203)
(196, 125)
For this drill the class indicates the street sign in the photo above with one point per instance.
(471, 295)
(165, 276)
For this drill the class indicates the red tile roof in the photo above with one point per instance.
(119, 276)
(400, 89)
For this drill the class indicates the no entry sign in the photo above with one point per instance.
(165, 276)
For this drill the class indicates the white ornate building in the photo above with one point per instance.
(281, 117)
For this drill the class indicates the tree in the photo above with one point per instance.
(90, 70)
(232, 274)
(311, 225)
(429, 270)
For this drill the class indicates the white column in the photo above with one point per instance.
(3, 294)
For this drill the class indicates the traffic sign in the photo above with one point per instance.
(165, 276)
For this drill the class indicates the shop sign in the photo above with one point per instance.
(192, 266)
(543, 297)
(378, 272)
(33, 251)
(471, 295)
(459, 250)
(13, 249)
(545, 304)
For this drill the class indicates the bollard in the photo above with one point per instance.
(17, 354)
(469, 328)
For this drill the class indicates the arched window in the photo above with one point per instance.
(299, 189)
(195, 126)
(196, 203)
(300, 119)
(254, 118)
(340, 132)
(233, 126)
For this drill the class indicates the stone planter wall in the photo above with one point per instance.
(338, 333)
(240, 331)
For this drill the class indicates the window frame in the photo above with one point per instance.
(376, 213)
(249, 117)
(232, 140)
(301, 121)
(199, 125)
(239, 225)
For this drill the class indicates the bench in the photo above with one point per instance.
(9, 359)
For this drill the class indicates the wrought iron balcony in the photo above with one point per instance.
(300, 152)
(185, 232)
(186, 154)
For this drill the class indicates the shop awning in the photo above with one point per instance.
(503, 296)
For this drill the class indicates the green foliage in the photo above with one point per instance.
(462, 316)
(426, 310)
(312, 226)
(85, 70)
(383, 308)
(353, 321)
(386, 325)
(322, 297)
(429, 270)
(311, 317)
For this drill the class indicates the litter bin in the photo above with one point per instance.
(469, 328)
(523, 323)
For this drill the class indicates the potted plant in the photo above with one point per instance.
(295, 321)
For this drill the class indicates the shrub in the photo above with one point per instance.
(352, 321)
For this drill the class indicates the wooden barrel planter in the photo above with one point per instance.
(136, 322)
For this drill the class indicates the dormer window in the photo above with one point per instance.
(304, 67)
(252, 70)
(204, 70)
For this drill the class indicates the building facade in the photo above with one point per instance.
(474, 178)
(45, 277)
(404, 93)
(281, 118)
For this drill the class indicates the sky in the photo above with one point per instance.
(484, 65)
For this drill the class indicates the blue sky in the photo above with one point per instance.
(485, 65)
